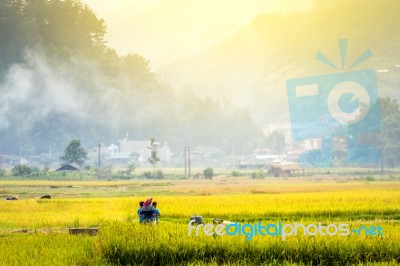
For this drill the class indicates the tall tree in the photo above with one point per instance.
(153, 159)
(53, 25)
(74, 153)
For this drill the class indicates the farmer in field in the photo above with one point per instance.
(139, 210)
(147, 212)
(156, 212)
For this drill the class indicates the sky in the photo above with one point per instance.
(164, 31)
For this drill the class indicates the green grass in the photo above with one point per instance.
(48, 249)
(168, 244)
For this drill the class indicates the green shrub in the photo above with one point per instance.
(236, 173)
(149, 175)
(24, 170)
(258, 175)
(160, 174)
(370, 178)
(208, 173)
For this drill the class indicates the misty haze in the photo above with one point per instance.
(61, 81)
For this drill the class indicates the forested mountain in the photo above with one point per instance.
(59, 80)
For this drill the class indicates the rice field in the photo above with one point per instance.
(35, 231)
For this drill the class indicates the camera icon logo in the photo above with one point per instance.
(342, 106)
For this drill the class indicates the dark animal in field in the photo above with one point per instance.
(198, 219)
(45, 197)
(12, 198)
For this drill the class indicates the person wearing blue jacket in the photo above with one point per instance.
(139, 210)
(156, 211)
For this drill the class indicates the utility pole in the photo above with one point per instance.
(49, 159)
(186, 151)
(382, 160)
(270, 151)
(190, 175)
(185, 159)
(278, 147)
(99, 159)
(20, 153)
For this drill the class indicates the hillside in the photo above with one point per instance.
(60, 81)
(252, 67)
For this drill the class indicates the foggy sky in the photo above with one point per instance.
(166, 30)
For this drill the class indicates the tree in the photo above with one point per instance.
(74, 153)
(153, 159)
(56, 25)
(208, 173)
(24, 170)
